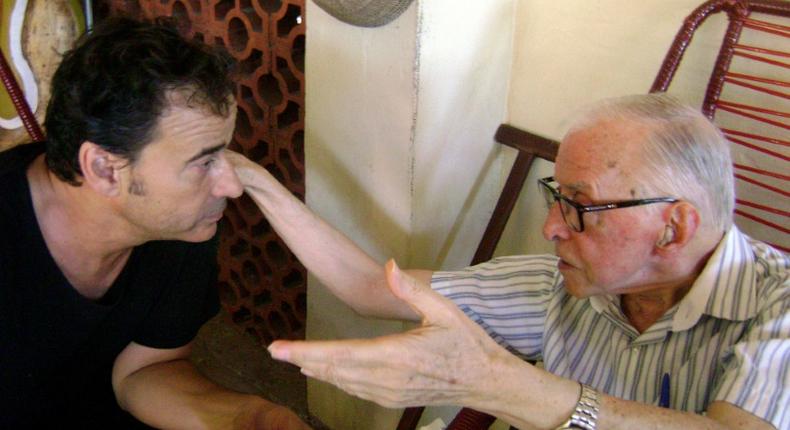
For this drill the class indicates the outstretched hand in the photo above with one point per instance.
(446, 360)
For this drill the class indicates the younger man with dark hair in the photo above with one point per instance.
(107, 266)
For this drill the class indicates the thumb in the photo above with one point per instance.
(427, 303)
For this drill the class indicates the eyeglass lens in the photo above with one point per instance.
(569, 213)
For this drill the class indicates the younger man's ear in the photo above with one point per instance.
(100, 169)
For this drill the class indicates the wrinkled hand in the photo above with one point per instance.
(262, 415)
(447, 360)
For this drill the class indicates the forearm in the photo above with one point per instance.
(523, 395)
(623, 414)
(350, 273)
(173, 395)
(531, 398)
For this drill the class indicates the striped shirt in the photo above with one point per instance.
(727, 339)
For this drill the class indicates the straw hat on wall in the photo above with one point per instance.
(364, 13)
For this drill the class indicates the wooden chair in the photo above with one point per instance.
(755, 137)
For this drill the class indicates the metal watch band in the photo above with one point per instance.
(585, 416)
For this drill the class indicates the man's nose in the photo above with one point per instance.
(228, 183)
(555, 228)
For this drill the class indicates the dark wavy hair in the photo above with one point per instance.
(112, 88)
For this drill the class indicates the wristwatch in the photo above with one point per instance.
(585, 416)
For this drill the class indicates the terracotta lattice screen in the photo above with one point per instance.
(262, 285)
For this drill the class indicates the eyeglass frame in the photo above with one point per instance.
(582, 209)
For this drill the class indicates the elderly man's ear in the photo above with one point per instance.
(681, 224)
(101, 169)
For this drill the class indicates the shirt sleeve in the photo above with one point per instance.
(188, 297)
(756, 374)
(508, 297)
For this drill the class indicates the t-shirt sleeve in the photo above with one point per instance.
(188, 298)
(756, 374)
(508, 297)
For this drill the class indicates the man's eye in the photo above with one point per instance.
(209, 162)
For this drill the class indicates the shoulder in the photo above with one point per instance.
(513, 264)
(770, 262)
(744, 266)
(510, 270)
(19, 157)
(13, 184)
(770, 272)
(13, 164)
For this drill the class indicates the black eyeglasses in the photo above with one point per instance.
(572, 211)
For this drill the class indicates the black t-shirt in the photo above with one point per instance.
(57, 348)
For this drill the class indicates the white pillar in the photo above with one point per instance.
(400, 154)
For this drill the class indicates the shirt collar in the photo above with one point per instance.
(726, 287)
(602, 301)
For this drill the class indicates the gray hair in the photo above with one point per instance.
(684, 154)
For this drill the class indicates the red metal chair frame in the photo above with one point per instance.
(739, 13)
(18, 99)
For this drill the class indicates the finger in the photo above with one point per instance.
(431, 306)
(243, 166)
(353, 352)
(234, 157)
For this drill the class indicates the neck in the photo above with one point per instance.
(645, 308)
(644, 305)
(85, 237)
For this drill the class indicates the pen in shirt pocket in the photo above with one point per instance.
(663, 399)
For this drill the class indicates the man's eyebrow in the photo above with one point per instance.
(576, 186)
(207, 151)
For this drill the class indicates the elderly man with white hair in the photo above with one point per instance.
(655, 312)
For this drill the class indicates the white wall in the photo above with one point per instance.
(398, 142)
(358, 126)
(465, 53)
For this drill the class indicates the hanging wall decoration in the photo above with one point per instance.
(33, 36)
(364, 13)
